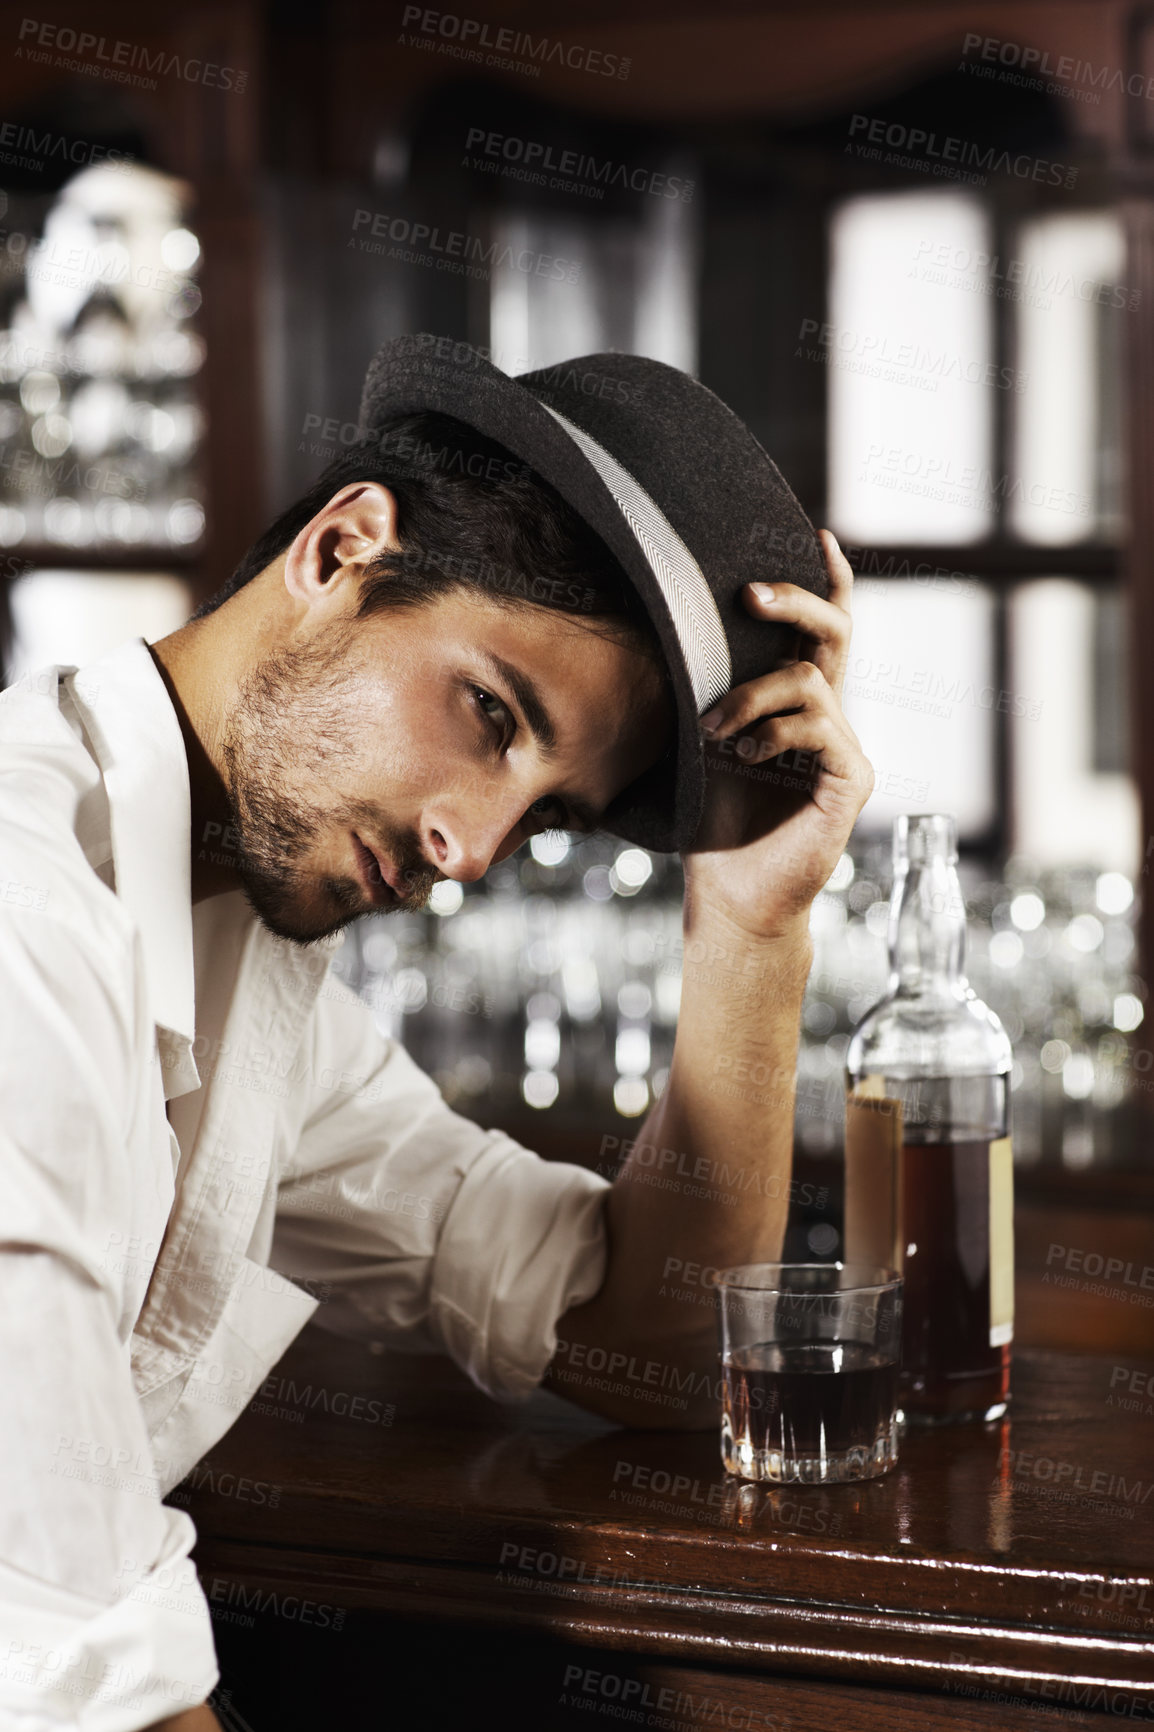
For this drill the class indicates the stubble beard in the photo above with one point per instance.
(294, 710)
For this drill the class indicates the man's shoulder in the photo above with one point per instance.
(53, 812)
(30, 710)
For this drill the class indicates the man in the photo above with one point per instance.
(516, 605)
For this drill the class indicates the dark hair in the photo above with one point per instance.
(470, 516)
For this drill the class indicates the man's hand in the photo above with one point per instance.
(774, 827)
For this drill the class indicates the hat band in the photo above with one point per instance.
(682, 583)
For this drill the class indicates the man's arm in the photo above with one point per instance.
(96, 1584)
(705, 1186)
(200, 1719)
(706, 1183)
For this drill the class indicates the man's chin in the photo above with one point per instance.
(302, 911)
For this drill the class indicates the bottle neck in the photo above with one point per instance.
(927, 933)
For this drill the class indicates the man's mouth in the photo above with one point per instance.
(377, 876)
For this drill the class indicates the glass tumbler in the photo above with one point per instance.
(810, 1355)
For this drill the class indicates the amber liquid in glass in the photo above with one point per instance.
(949, 1369)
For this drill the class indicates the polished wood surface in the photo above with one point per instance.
(1016, 1558)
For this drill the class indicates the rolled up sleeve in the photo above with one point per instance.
(72, 1660)
(102, 1621)
(427, 1231)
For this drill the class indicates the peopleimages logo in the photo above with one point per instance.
(877, 355)
(950, 266)
(944, 155)
(642, 1704)
(452, 250)
(487, 45)
(538, 164)
(84, 51)
(936, 477)
(1038, 69)
(24, 147)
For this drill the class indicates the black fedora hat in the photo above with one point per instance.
(677, 488)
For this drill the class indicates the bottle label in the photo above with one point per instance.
(874, 1230)
(1001, 1242)
(873, 1142)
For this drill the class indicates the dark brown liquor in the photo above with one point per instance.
(818, 1411)
(929, 1165)
(949, 1366)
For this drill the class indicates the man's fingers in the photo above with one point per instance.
(839, 569)
(819, 619)
(809, 736)
(795, 709)
(827, 623)
(788, 688)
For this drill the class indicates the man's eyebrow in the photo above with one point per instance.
(530, 702)
(540, 725)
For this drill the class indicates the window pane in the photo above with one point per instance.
(1066, 484)
(75, 616)
(910, 365)
(1066, 810)
(920, 695)
(534, 321)
(628, 284)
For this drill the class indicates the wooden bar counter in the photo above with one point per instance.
(381, 1545)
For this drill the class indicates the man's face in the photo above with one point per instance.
(380, 755)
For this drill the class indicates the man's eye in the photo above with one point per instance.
(493, 707)
(549, 803)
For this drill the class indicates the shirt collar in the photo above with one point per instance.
(139, 747)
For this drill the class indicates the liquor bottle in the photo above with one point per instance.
(929, 1169)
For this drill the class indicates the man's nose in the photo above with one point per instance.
(465, 846)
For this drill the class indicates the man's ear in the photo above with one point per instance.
(358, 524)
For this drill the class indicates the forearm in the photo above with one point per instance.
(705, 1184)
(728, 1109)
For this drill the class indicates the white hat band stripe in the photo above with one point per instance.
(687, 595)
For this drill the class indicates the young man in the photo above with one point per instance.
(516, 605)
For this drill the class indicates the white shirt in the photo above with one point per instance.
(191, 1111)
